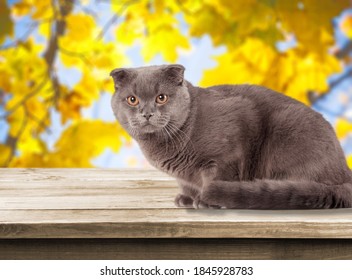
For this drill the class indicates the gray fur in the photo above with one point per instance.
(233, 146)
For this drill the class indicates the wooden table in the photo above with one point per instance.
(129, 214)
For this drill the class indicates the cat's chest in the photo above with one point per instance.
(182, 164)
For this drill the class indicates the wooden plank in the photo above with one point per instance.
(90, 195)
(83, 185)
(173, 223)
(80, 174)
(109, 203)
(9, 188)
(153, 200)
(85, 189)
(343, 216)
(176, 249)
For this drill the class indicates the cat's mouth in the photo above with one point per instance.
(148, 127)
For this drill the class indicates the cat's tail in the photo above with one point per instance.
(277, 194)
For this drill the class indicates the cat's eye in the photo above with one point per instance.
(132, 100)
(161, 99)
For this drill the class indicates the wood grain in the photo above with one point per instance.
(110, 203)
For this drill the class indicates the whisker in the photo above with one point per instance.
(177, 136)
(175, 144)
(179, 131)
(170, 137)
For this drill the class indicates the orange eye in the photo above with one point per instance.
(132, 100)
(161, 99)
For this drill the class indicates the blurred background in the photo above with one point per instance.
(56, 56)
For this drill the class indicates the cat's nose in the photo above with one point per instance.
(148, 115)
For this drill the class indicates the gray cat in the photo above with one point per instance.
(232, 146)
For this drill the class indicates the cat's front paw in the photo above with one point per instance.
(182, 200)
(199, 203)
(212, 195)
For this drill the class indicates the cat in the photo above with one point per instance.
(232, 146)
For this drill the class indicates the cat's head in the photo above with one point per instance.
(152, 99)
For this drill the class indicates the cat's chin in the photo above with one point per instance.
(149, 128)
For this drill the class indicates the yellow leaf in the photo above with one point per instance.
(26, 55)
(92, 54)
(79, 27)
(5, 152)
(210, 21)
(308, 19)
(87, 88)
(86, 139)
(166, 42)
(69, 105)
(308, 71)
(131, 29)
(249, 15)
(349, 161)
(37, 112)
(44, 29)
(5, 78)
(43, 9)
(163, 38)
(30, 145)
(29, 159)
(107, 56)
(16, 121)
(72, 54)
(77, 146)
(343, 128)
(21, 8)
(346, 25)
(228, 71)
(248, 63)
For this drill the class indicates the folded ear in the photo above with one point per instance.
(174, 73)
(122, 76)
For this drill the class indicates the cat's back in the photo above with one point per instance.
(282, 114)
(256, 103)
(259, 95)
(293, 131)
(271, 106)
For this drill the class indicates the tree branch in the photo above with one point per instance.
(76, 54)
(63, 9)
(22, 38)
(114, 18)
(2, 97)
(12, 141)
(345, 50)
(314, 97)
(24, 99)
(340, 54)
(85, 9)
(40, 122)
(332, 113)
(25, 35)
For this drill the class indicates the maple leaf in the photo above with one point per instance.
(164, 41)
(5, 152)
(343, 128)
(349, 161)
(21, 8)
(102, 135)
(79, 27)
